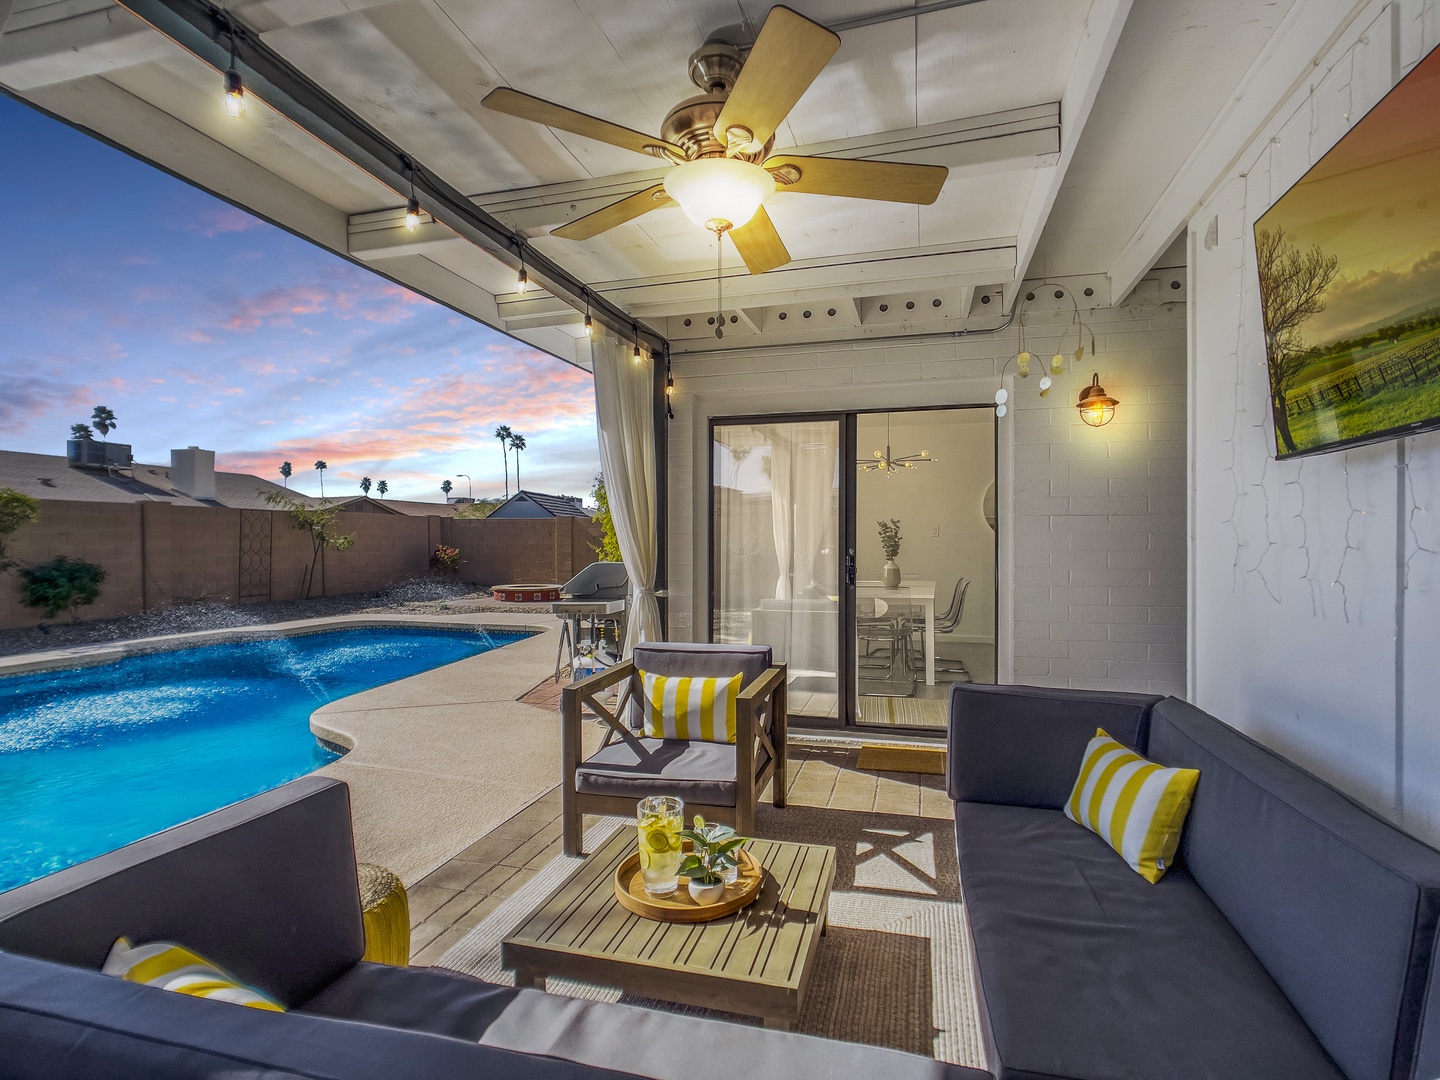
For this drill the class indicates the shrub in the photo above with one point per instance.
(62, 584)
(446, 559)
(15, 510)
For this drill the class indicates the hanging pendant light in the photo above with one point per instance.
(1097, 408)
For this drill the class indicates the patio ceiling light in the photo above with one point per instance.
(719, 193)
(412, 213)
(234, 94)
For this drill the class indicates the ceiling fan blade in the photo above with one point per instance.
(787, 55)
(887, 181)
(759, 244)
(617, 213)
(505, 100)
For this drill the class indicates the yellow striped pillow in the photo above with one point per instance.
(1134, 805)
(172, 967)
(699, 709)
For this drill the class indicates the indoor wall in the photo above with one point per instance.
(1315, 581)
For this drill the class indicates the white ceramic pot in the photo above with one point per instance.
(706, 894)
(891, 574)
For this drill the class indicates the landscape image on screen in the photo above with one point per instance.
(1349, 270)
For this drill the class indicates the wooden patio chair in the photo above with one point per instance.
(719, 780)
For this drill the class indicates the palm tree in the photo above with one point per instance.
(285, 470)
(446, 487)
(382, 488)
(504, 434)
(517, 443)
(365, 485)
(320, 467)
(104, 420)
(80, 432)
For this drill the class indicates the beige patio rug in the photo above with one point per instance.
(894, 968)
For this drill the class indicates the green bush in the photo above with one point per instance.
(15, 510)
(62, 584)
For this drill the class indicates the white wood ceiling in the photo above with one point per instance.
(999, 90)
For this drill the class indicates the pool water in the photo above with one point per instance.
(93, 758)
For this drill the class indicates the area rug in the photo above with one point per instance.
(904, 711)
(894, 967)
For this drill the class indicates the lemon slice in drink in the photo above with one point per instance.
(659, 841)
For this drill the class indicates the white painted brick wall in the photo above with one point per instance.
(1096, 516)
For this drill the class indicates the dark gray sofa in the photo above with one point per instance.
(1293, 940)
(267, 889)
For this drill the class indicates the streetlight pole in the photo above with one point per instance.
(468, 484)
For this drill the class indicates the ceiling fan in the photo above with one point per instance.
(720, 143)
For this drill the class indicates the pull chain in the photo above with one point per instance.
(719, 285)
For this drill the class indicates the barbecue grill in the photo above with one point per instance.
(599, 594)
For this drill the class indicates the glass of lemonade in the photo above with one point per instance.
(660, 819)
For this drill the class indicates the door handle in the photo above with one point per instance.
(850, 567)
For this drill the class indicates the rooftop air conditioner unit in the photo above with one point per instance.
(93, 454)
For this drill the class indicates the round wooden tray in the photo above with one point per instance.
(678, 906)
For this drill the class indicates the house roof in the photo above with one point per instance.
(406, 507)
(47, 476)
(554, 505)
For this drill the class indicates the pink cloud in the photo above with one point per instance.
(217, 220)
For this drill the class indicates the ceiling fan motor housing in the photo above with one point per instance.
(691, 126)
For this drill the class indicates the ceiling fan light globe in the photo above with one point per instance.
(719, 193)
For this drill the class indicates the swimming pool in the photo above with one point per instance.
(92, 758)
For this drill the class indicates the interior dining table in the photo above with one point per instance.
(914, 591)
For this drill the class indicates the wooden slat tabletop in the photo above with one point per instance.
(755, 962)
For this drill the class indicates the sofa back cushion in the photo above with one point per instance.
(1339, 905)
(266, 888)
(1023, 745)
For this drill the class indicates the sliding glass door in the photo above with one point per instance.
(775, 544)
(861, 547)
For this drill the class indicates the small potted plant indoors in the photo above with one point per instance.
(711, 860)
(890, 545)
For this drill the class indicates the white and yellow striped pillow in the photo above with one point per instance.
(697, 709)
(172, 967)
(1134, 805)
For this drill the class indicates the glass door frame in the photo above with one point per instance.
(847, 700)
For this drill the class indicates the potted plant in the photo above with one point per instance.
(711, 859)
(890, 544)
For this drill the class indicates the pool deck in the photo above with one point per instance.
(436, 760)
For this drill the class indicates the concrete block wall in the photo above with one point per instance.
(1092, 527)
(157, 555)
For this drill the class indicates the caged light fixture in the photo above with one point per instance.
(1097, 408)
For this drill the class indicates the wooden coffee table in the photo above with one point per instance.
(756, 962)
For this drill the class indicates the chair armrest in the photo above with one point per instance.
(601, 680)
(1022, 745)
(764, 685)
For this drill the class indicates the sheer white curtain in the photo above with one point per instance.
(623, 407)
(782, 510)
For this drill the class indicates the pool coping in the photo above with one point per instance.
(78, 656)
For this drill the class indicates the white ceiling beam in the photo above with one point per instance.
(815, 281)
(1102, 30)
(58, 50)
(6, 7)
(1309, 31)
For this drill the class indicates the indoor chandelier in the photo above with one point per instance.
(886, 462)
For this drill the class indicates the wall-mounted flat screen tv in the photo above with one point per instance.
(1349, 271)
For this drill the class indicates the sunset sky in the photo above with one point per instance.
(197, 323)
(1374, 201)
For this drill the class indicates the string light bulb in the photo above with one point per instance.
(234, 93)
(589, 325)
(522, 279)
(412, 213)
(637, 352)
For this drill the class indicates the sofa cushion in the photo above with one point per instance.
(686, 707)
(1089, 972)
(698, 772)
(1339, 905)
(59, 1022)
(624, 1037)
(1022, 745)
(265, 887)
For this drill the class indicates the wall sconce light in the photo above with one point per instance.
(1097, 408)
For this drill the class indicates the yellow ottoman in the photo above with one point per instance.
(387, 916)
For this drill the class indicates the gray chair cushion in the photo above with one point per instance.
(698, 772)
(1339, 905)
(1022, 745)
(1090, 972)
(700, 660)
(265, 888)
(62, 1023)
(415, 998)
